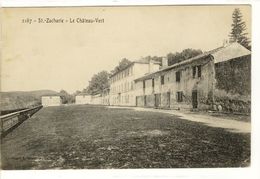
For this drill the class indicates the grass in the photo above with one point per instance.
(95, 137)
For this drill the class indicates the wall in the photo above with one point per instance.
(122, 91)
(83, 99)
(234, 76)
(233, 85)
(51, 100)
(168, 91)
(96, 100)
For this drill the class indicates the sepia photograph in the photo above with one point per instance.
(126, 87)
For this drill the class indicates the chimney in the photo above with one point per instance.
(164, 62)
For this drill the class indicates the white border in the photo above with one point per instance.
(50, 3)
(236, 173)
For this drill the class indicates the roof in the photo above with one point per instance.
(141, 61)
(231, 51)
(83, 94)
(51, 95)
(220, 54)
(146, 61)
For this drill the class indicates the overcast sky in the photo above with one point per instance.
(65, 56)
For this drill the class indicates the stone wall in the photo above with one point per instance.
(231, 103)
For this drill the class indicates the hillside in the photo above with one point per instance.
(22, 99)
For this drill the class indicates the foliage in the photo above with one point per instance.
(66, 97)
(234, 76)
(181, 56)
(237, 33)
(22, 99)
(94, 137)
(122, 64)
(154, 58)
(98, 83)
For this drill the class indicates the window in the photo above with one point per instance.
(178, 76)
(132, 85)
(199, 71)
(194, 71)
(179, 96)
(153, 82)
(144, 84)
(162, 80)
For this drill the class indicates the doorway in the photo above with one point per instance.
(195, 99)
(157, 100)
(168, 102)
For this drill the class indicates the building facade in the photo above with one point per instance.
(122, 86)
(105, 97)
(190, 84)
(82, 99)
(51, 101)
(96, 99)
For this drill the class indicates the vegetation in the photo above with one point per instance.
(234, 76)
(98, 83)
(238, 33)
(122, 64)
(98, 137)
(66, 97)
(181, 56)
(22, 99)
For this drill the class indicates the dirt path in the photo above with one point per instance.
(221, 122)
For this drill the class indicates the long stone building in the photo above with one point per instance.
(193, 83)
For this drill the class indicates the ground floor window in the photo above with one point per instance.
(179, 96)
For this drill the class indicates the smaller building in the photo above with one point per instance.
(105, 96)
(96, 99)
(51, 100)
(83, 99)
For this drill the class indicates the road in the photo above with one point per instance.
(97, 137)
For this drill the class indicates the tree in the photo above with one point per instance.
(237, 33)
(122, 64)
(98, 83)
(66, 97)
(181, 56)
(154, 58)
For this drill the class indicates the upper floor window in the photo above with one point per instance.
(162, 80)
(132, 85)
(153, 82)
(144, 84)
(178, 76)
(199, 71)
(194, 71)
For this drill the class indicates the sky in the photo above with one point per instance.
(65, 56)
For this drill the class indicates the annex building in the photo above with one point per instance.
(122, 85)
(52, 100)
(83, 99)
